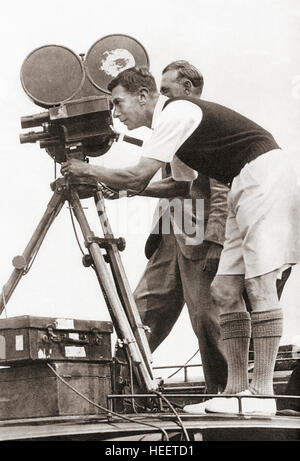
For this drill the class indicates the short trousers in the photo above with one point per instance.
(263, 223)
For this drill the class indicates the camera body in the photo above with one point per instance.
(73, 89)
(82, 127)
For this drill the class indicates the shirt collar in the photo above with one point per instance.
(158, 108)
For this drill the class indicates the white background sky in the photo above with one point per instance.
(249, 54)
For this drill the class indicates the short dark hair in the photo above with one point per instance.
(186, 70)
(133, 79)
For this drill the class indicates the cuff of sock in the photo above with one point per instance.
(267, 323)
(235, 325)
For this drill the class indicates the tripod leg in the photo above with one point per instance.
(110, 293)
(122, 285)
(20, 262)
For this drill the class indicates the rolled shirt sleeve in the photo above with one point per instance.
(171, 128)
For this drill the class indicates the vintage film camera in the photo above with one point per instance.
(76, 124)
(73, 89)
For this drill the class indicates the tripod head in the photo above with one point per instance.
(78, 121)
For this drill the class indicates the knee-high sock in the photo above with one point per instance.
(236, 333)
(266, 332)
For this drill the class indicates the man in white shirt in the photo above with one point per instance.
(184, 246)
(262, 229)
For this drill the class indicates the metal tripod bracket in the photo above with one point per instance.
(106, 242)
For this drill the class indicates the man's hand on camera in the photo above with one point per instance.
(75, 167)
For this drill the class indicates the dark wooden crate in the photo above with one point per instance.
(35, 391)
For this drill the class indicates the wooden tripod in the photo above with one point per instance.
(114, 285)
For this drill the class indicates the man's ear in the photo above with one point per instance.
(188, 86)
(143, 94)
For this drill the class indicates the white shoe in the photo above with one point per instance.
(249, 405)
(196, 409)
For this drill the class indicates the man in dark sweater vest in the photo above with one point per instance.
(186, 261)
(263, 224)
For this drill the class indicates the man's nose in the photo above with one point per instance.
(116, 113)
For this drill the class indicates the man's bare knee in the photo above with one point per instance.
(262, 291)
(220, 293)
(226, 292)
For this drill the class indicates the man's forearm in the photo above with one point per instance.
(116, 179)
(166, 188)
(135, 178)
